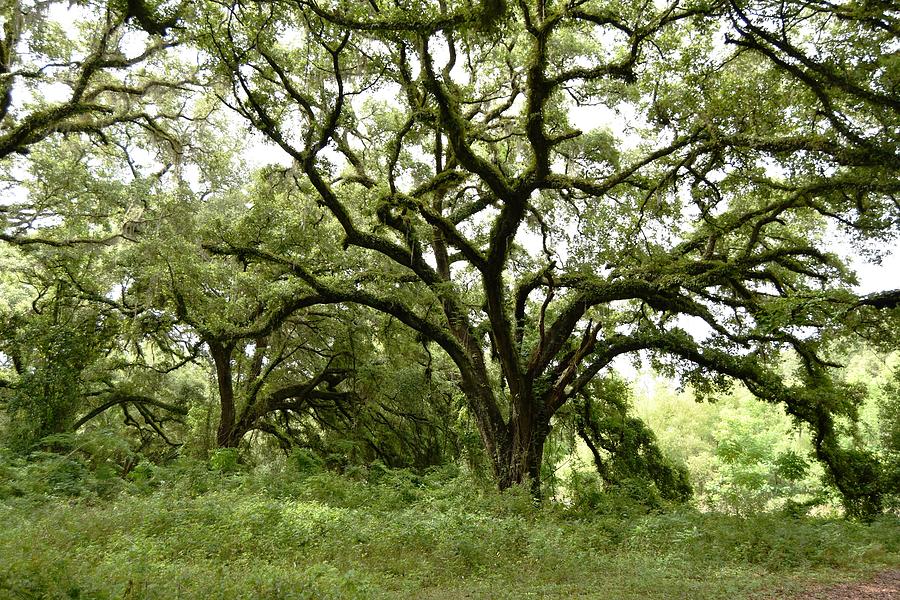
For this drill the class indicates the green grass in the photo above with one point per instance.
(195, 534)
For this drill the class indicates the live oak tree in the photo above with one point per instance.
(85, 98)
(72, 344)
(277, 352)
(465, 156)
(50, 353)
(286, 358)
(532, 188)
(94, 72)
(123, 317)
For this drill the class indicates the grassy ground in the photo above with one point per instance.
(193, 534)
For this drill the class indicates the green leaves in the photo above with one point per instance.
(433, 174)
(624, 450)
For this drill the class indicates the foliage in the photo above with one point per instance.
(399, 535)
(624, 450)
(54, 350)
(889, 420)
(880, 427)
(224, 460)
(84, 466)
(453, 250)
(744, 457)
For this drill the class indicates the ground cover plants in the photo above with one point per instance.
(189, 532)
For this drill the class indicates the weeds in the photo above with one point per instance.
(188, 531)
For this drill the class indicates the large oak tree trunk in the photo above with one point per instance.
(527, 432)
(226, 435)
(523, 458)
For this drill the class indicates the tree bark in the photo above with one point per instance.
(521, 463)
(527, 431)
(226, 436)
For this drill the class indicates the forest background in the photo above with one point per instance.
(561, 288)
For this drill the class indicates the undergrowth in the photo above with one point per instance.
(294, 531)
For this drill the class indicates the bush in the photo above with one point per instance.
(306, 462)
(590, 494)
(225, 460)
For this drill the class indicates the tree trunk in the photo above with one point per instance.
(226, 436)
(524, 452)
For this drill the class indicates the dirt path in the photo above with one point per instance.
(882, 586)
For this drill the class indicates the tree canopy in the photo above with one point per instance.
(532, 189)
